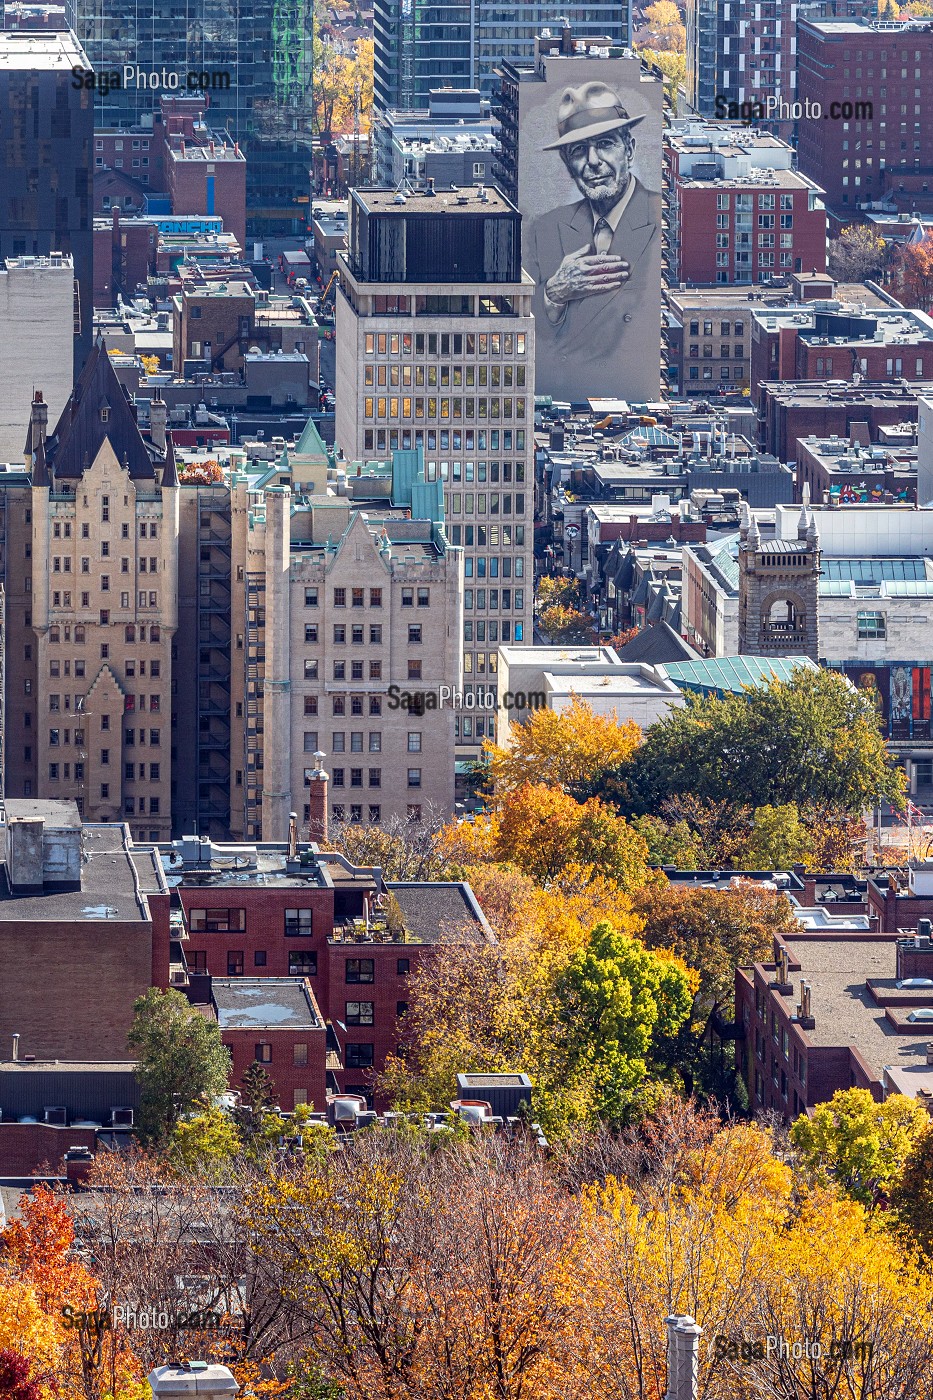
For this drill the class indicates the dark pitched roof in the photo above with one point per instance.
(40, 472)
(656, 646)
(80, 432)
(169, 472)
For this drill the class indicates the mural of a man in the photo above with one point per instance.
(596, 262)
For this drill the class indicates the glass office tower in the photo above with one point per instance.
(251, 58)
(425, 44)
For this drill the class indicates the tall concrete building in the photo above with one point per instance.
(37, 297)
(46, 167)
(91, 552)
(435, 349)
(349, 610)
(452, 44)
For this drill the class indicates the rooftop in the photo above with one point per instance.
(439, 911)
(265, 1003)
(484, 199)
(844, 1010)
(110, 886)
(41, 50)
(771, 179)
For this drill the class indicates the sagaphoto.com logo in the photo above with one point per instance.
(775, 109)
(132, 78)
(447, 697)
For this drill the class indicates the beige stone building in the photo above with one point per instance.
(435, 348)
(349, 611)
(89, 670)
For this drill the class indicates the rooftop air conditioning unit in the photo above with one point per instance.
(57, 1116)
(121, 1118)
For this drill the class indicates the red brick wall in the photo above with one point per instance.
(388, 988)
(286, 1076)
(264, 932)
(26, 1146)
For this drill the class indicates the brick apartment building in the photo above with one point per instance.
(789, 411)
(886, 150)
(803, 1032)
(882, 345)
(737, 211)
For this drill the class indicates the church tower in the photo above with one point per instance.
(779, 590)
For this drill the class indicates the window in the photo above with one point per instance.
(403, 967)
(401, 1008)
(360, 970)
(414, 741)
(408, 597)
(259, 958)
(310, 597)
(340, 597)
(264, 1053)
(301, 964)
(414, 669)
(235, 963)
(359, 1013)
(870, 625)
(358, 1056)
(424, 597)
(217, 920)
(297, 923)
(375, 597)
(414, 633)
(414, 777)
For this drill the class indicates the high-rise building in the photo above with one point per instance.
(92, 551)
(37, 297)
(877, 78)
(420, 46)
(741, 53)
(435, 349)
(46, 161)
(253, 65)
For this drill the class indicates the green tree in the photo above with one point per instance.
(912, 1193)
(671, 843)
(814, 740)
(181, 1060)
(857, 1143)
(778, 839)
(203, 1141)
(617, 997)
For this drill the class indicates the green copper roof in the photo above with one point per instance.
(311, 444)
(728, 674)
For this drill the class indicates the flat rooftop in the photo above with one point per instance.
(466, 198)
(41, 50)
(844, 1010)
(265, 1004)
(755, 179)
(108, 881)
(631, 682)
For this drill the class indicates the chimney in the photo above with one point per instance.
(293, 836)
(78, 1161)
(317, 801)
(930, 1052)
(39, 419)
(16, 1045)
(683, 1355)
(158, 421)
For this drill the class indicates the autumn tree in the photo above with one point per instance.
(565, 624)
(403, 850)
(813, 740)
(543, 831)
(181, 1059)
(857, 254)
(664, 18)
(915, 277)
(778, 839)
(568, 749)
(911, 1193)
(857, 1143)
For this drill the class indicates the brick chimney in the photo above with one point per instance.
(317, 802)
(683, 1353)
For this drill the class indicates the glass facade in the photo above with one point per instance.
(253, 63)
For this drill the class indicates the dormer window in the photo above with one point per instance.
(105, 415)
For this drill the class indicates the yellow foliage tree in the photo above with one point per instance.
(565, 748)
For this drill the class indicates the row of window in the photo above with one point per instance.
(63, 600)
(454, 408)
(312, 670)
(145, 564)
(130, 702)
(77, 634)
(59, 668)
(357, 597)
(61, 529)
(744, 201)
(357, 633)
(723, 328)
(724, 351)
(445, 343)
(444, 376)
(481, 567)
(339, 705)
(489, 503)
(723, 372)
(480, 595)
(338, 742)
